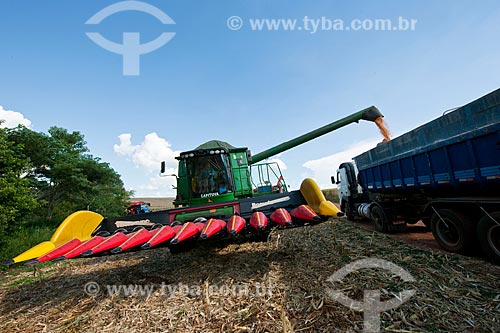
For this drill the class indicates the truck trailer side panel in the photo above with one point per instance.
(457, 149)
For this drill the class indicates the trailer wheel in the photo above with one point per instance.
(379, 219)
(452, 230)
(488, 233)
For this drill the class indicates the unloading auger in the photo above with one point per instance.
(222, 191)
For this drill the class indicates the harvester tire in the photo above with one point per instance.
(453, 231)
(379, 219)
(488, 233)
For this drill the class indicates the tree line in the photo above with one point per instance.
(46, 177)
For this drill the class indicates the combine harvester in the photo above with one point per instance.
(216, 195)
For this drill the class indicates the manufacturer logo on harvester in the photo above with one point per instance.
(131, 48)
(257, 205)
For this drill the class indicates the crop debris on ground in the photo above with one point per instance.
(278, 285)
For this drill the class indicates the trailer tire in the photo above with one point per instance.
(456, 233)
(379, 219)
(488, 233)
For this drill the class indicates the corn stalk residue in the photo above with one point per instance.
(383, 129)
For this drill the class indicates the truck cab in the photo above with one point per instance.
(348, 188)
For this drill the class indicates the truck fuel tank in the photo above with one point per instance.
(364, 210)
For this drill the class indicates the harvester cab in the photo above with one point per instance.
(206, 175)
(218, 172)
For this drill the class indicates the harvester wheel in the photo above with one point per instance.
(379, 219)
(488, 232)
(452, 230)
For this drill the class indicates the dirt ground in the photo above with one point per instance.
(279, 285)
(416, 235)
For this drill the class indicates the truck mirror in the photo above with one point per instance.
(162, 168)
(333, 180)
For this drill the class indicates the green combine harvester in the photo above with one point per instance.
(222, 191)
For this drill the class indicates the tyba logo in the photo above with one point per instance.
(131, 49)
(371, 304)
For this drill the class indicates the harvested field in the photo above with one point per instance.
(274, 286)
(156, 204)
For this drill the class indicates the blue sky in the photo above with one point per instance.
(250, 88)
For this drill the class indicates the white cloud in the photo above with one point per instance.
(323, 168)
(147, 156)
(157, 187)
(12, 118)
(280, 162)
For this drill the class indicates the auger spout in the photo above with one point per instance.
(370, 114)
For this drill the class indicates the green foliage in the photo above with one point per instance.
(46, 177)
(331, 194)
(16, 198)
(24, 238)
(64, 176)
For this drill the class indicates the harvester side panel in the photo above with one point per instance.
(239, 166)
(267, 204)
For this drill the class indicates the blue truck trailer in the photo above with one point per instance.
(445, 173)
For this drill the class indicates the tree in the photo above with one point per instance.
(16, 198)
(66, 177)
